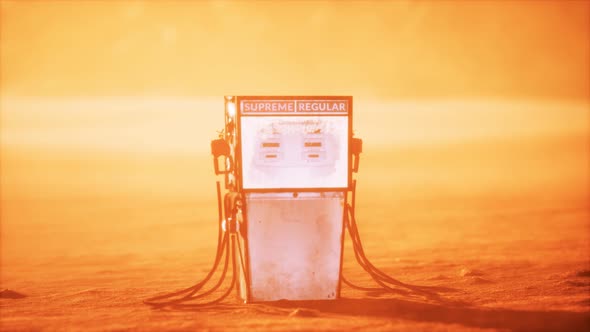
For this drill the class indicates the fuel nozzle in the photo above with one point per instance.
(219, 147)
(356, 147)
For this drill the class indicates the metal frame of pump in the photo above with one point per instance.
(228, 147)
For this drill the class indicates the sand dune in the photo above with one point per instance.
(498, 218)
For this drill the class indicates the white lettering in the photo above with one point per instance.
(289, 106)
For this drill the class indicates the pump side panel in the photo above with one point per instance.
(294, 245)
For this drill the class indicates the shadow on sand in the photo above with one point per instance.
(514, 320)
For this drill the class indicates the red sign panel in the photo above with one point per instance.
(301, 106)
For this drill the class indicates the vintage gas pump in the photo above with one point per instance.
(287, 164)
(292, 167)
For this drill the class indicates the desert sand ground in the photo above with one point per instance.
(93, 225)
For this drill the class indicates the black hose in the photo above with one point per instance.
(380, 277)
(351, 285)
(227, 292)
(188, 294)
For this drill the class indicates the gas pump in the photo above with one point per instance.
(287, 163)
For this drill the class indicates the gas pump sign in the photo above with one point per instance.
(294, 142)
(294, 106)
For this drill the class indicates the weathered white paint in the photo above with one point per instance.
(294, 245)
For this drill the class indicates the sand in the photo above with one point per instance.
(500, 224)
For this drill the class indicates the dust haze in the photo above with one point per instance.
(474, 176)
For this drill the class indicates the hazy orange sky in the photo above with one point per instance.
(149, 76)
(380, 49)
